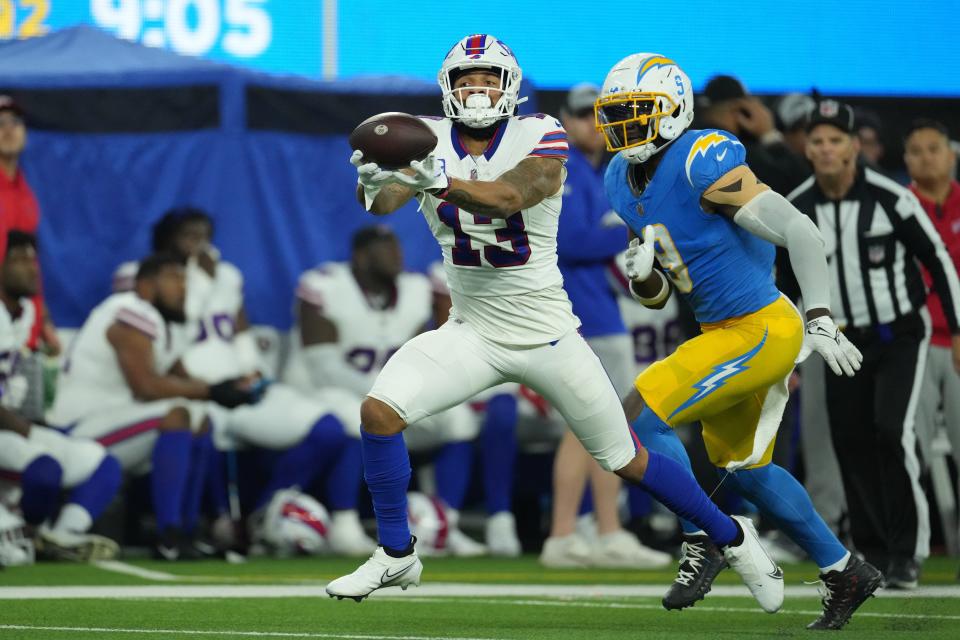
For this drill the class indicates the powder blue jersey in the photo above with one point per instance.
(723, 270)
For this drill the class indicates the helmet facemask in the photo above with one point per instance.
(630, 122)
(478, 110)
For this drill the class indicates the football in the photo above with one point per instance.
(393, 139)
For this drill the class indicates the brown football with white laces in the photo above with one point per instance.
(393, 139)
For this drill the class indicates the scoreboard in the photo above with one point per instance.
(271, 35)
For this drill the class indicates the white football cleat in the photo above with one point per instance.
(346, 536)
(74, 547)
(379, 572)
(757, 569)
(621, 549)
(587, 527)
(501, 535)
(460, 545)
(566, 552)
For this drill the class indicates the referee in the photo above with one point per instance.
(875, 232)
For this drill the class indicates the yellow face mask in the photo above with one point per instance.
(631, 118)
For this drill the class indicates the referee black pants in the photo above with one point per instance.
(872, 427)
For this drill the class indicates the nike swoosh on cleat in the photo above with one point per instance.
(776, 575)
(387, 576)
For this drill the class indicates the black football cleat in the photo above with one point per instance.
(172, 547)
(902, 573)
(700, 562)
(844, 591)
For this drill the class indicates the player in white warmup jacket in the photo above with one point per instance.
(317, 435)
(491, 194)
(116, 387)
(37, 464)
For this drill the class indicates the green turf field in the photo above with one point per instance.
(481, 599)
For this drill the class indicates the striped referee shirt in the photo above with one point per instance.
(874, 238)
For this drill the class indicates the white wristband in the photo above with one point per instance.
(662, 295)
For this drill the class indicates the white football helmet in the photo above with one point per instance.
(483, 52)
(295, 524)
(427, 518)
(16, 549)
(645, 103)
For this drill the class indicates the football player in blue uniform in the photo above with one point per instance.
(712, 227)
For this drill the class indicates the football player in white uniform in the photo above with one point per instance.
(37, 462)
(351, 319)
(114, 387)
(317, 438)
(491, 194)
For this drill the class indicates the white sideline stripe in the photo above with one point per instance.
(437, 589)
(132, 570)
(630, 605)
(221, 633)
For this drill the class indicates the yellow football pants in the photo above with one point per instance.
(723, 376)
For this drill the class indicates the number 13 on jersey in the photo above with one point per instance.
(463, 253)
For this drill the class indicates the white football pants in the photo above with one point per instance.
(439, 369)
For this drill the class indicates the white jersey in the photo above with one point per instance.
(90, 377)
(655, 332)
(367, 336)
(211, 307)
(14, 333)
(503, 274)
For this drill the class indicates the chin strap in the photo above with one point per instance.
(638, 155)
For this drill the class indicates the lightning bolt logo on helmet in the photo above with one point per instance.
(646, 103)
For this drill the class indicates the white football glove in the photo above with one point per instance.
(370, 177)
(823, 336)
(640, 256)
(428, 174)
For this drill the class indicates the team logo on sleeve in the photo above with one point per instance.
(703, 144)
